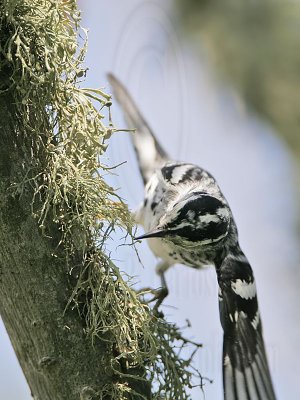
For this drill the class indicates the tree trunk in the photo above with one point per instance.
(58, 359)
(51, 140)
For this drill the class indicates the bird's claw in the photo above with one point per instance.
(158, 295)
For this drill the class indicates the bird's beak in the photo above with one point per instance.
(152, 234)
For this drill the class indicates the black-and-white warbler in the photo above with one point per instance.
(188, 220)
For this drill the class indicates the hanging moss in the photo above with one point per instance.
(62, 135)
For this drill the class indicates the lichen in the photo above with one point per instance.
(63, 134)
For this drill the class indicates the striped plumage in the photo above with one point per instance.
(188, 220)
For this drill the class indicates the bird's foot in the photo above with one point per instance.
(161, 294)
(158, 296)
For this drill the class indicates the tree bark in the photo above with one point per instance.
(58, 359)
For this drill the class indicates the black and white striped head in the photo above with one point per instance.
(196, 219)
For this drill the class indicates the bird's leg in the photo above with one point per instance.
(163, 292)
(159, 294)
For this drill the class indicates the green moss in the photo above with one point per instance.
(62, 136)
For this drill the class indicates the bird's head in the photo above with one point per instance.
(196, 219)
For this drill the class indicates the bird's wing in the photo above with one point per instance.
(149, 152)
(246, 374)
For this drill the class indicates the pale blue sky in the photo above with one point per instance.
(197, 121)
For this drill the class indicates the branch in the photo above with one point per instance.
(78, 328)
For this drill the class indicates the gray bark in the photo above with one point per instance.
(58, 360)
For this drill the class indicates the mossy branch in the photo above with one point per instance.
(59, 135)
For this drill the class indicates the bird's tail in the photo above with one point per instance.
(149, 152)
(246, 374)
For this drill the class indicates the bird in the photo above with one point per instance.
(188, 220)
